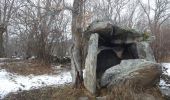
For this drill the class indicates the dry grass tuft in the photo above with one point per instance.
(165, 59)
(27, 68)
(122, 93)
(125, 92)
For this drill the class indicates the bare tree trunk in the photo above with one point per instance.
(42, 54)
(2, 30)
(76, 49)
(1, 44)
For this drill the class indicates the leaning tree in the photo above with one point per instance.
(77, 54)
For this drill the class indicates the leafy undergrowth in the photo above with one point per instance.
(27, 68)
(50, 93)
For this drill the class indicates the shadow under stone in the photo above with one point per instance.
(112, 54)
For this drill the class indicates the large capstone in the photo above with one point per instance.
(90, 64)
(136, 71)
(113, 34)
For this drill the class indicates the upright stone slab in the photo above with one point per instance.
(91, 64)
(145, 52)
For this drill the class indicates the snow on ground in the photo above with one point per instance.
(167, 67)
(166, 71)
(4, 59)
(165, 80)
(163, 84)
(12, 82)
(9, 59)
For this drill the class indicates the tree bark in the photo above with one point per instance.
(2, 30)
(1, 44)
(76, 49)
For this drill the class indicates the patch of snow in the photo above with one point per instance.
(57, 67)
(33, 57)
(4, 59)
(18, 58)
(12, 82)
(167, 67)
(163, 84)
(166, 71)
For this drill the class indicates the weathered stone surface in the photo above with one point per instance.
(138, 71)
(104, 28)
(144, 51)
(125, 36)
(112, 33)
(91, 63)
